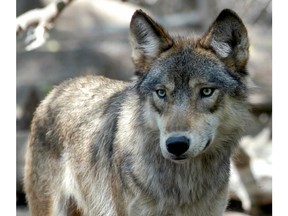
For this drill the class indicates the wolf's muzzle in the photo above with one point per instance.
(177, 145)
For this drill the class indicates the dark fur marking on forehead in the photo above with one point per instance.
(189, 64)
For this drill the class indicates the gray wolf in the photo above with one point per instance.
(158, 145)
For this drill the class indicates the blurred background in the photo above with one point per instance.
(92, 37)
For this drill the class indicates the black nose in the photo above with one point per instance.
(177, 145)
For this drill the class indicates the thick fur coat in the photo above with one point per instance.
(159, 145)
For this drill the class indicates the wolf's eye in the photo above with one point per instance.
(206, 92)
(161, 93)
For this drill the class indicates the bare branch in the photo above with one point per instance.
(36, 23)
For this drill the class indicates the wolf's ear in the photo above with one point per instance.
(228, 37)
(148, 39)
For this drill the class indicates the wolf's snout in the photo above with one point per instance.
(177, 145)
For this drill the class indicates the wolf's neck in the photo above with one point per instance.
(161, 178)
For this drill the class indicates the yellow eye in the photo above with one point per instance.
(206, 92)
(161, 93)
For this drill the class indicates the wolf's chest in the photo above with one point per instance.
(176, 184)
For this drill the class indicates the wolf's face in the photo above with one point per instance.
(190, 85)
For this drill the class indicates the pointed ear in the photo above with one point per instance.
(148, 40)
(228, 37)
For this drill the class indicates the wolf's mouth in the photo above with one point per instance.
(180, 158)
(207, 144)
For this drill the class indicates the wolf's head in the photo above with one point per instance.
(194, 88)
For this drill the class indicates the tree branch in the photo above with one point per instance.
(36, 23)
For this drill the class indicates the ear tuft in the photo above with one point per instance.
(228, 37)
(148, 39)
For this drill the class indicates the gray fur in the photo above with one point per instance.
(97, 145)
